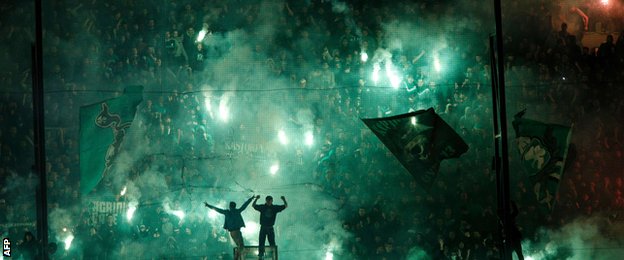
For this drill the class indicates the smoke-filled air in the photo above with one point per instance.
(159, 114)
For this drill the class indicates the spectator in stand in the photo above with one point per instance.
(28, 248)
(93, 245)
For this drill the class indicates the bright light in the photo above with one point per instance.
(68, 241)
(123, 191)
(376, 70)
(329, 255)
(224, 111)
(64, 229)
(363, 56)
(274, 168)
(309, 138)
(201, 35)
(604, 2)
(436, 64)
(131, 209)
(391, 74)
(413, 120)
(178, 213)
(281, 135)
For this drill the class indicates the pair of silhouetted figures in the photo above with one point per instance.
(234, 221)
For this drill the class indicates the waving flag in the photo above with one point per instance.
(420, 140)
(543, 149)
(103, 126)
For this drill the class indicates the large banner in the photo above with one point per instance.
(99, 210)
(248, 149)
(420, 140)
(543, 150)
(103, 126)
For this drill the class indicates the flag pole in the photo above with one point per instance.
(501, 149)
(39, 133)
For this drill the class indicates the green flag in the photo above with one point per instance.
(420, 140)
(103, 126)
(543, 149)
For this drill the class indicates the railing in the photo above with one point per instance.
(251, 252)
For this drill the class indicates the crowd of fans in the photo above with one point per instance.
(315, 49)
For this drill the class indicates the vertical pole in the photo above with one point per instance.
(496, 162)
(500, 100)
(39, 134)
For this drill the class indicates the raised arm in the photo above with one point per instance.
(285, 203)
(214, 208)
(408, 88)
(246, 203)
(254, 205)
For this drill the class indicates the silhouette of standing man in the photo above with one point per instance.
(233, 221)
(268, 213)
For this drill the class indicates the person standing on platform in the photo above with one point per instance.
(268, 213)
(233, 221)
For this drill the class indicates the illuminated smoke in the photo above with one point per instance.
(250, 231)
(436, 64)
(391, 73)
(224, 109)
(329, 255)
(132, 206)
(68, 241)
(282, 137)
(178, 213)
(274, 168)
(376, 69)
(208, 106)
(309, 138)
(213, 214)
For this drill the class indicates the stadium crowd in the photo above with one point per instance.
(316, 48)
